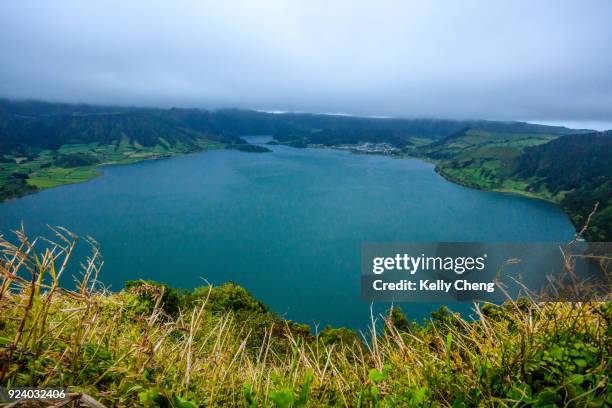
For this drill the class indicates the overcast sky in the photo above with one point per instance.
(543, 61)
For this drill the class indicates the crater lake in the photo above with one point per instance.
(287, 225)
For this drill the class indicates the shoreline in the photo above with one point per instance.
(517, 193)
(437, 170)
(98, 166)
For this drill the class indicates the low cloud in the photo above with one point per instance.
(539, 61)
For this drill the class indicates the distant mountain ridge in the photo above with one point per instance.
(33, 124)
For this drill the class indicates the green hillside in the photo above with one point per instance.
(577, 171)
(72, 163)
(45, 145)
(574, 171)
(482, 159)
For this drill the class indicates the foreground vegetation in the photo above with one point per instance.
(153, 346)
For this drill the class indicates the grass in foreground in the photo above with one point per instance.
(154, 346)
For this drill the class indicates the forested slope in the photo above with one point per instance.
(577, 169)
(574, 171)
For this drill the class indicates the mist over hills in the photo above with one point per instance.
(26, 125)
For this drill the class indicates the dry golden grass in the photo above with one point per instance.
(130, 349)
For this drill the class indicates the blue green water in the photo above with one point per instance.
(287, 225)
